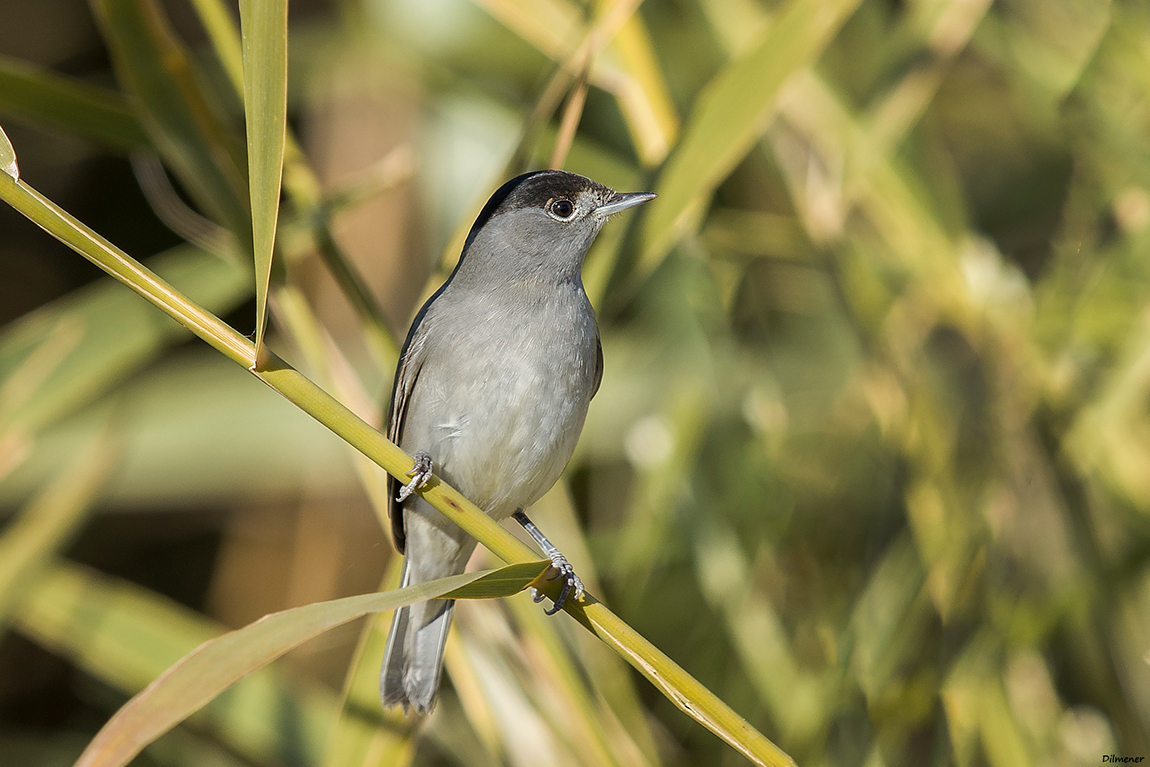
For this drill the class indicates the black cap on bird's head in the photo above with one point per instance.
(568, 200)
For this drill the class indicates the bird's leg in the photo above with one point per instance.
(420, 473)
(558, 561)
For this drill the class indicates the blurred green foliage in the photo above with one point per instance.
(871, 458)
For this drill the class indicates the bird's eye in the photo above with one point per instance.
(562, 209)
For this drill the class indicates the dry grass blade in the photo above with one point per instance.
(633, 76)
(642, 92)
(572, 704)
(549, 25)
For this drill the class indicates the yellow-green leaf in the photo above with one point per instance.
(125, 636)
(215, 665)
(303, 188)
(263, 27)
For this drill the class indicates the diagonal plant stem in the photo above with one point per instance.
(674, 682)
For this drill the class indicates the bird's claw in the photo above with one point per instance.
(564, 570)
(420, 473)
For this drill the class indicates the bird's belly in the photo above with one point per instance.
(504, 432)
(507, 463)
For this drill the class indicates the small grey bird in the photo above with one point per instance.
(491, 390)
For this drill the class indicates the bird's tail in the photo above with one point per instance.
(413, 662)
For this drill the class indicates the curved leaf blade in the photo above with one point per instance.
(215, 665)
(126, 635)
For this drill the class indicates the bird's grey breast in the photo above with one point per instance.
(503, 390)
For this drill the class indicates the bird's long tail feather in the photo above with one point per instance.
(414, 659)
(413, 662)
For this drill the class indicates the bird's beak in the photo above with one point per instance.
(624, 200)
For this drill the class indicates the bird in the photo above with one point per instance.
(491, 390)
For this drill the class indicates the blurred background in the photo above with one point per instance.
(871, 458)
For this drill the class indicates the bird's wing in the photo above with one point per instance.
(598, 366)
(406, 374)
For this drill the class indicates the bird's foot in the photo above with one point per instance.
(420, 473)
(565, 571)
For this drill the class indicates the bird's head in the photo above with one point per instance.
(542, 222)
